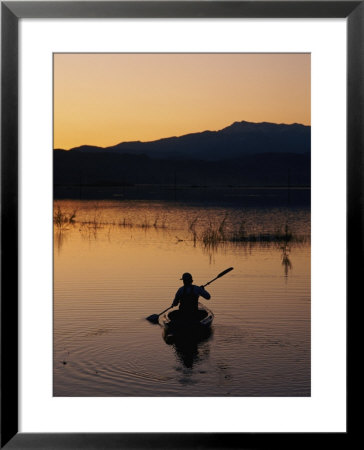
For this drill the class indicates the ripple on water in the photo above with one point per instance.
(107, 285)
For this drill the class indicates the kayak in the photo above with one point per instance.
(172, 322)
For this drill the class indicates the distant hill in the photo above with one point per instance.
(237, 140)
(243, 154)
(266, 169)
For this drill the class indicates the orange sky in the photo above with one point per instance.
(104, 99)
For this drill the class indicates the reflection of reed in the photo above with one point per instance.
(59, 238)
(286, 262)
(212, 234)
(286, 250)
(192, 229)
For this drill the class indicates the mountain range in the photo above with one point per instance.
(240, 154)
(239, 139)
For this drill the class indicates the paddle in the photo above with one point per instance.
(220, 275)
(154, 317)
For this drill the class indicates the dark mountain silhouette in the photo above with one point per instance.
(243, 154)
(237, 140)
(267, 169)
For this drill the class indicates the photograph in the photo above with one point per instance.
(181, 224)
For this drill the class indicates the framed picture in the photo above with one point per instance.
(189, 158)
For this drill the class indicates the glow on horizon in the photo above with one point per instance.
(104, 99)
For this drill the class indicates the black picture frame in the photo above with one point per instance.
(11, 12)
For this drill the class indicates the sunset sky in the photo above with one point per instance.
(105, 99)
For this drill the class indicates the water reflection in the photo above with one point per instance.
(59, 237)
(93, 231)
(115, 268)
(286, 262)
(286, 249)
(190, 349)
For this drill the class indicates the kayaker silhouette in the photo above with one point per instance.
(187, 296)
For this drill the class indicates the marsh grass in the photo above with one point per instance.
(126, 223)
(62, 220)
(219, 234)
(210, 233)
(160, 222)
(94, 221)
(279, 236)
(215, 233)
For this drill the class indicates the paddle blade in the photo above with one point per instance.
(153, 318)
(225, 272)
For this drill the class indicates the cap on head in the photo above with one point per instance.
(186, 277)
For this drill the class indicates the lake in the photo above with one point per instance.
(118, 260)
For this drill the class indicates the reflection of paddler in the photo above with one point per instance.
(190, 347)
(187, 296)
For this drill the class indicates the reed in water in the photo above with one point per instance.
(207, 232)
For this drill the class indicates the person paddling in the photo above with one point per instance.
(187, 296)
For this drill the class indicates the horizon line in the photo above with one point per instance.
(182, 135)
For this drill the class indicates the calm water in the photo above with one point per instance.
(121, 261)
